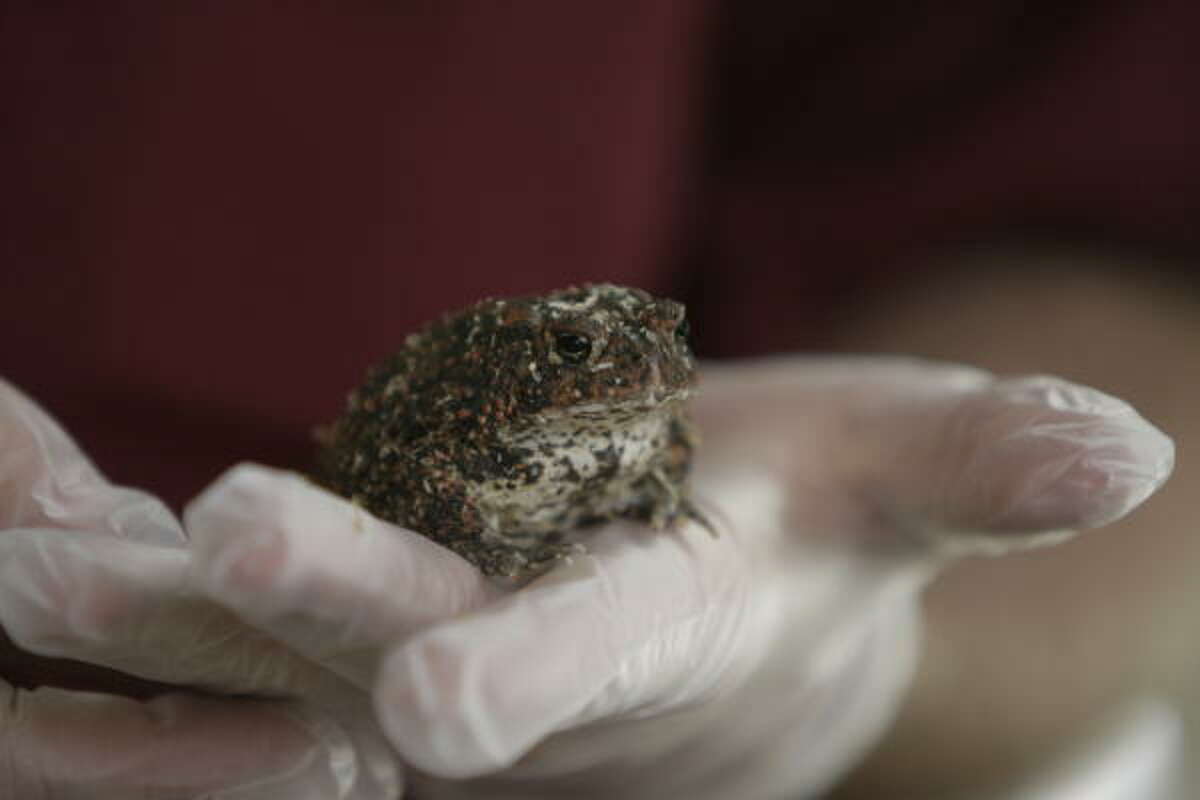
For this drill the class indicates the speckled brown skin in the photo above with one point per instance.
(498, 430)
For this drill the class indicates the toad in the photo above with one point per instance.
(501, 430)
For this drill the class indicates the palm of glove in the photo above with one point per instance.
(759, 662)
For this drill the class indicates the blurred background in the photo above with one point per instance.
(216, 216)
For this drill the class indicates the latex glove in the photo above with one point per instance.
(759, 663)
(97, 573)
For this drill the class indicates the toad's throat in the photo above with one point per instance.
(574, 468)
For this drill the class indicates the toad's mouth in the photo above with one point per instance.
(657, 399)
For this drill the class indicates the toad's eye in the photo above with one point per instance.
(683, 331)
(573, 347)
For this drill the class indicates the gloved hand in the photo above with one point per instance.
(759, 663)
(100, 574)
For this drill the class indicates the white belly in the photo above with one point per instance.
(586, 468)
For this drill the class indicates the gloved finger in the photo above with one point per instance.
(60, 745)
(126, 606)
(1021, 456)
(319, 573)
(46, 481)
(602, 634)
(939, 448)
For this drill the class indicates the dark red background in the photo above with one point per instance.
(216, 216)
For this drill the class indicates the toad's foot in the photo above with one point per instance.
(668, 503)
